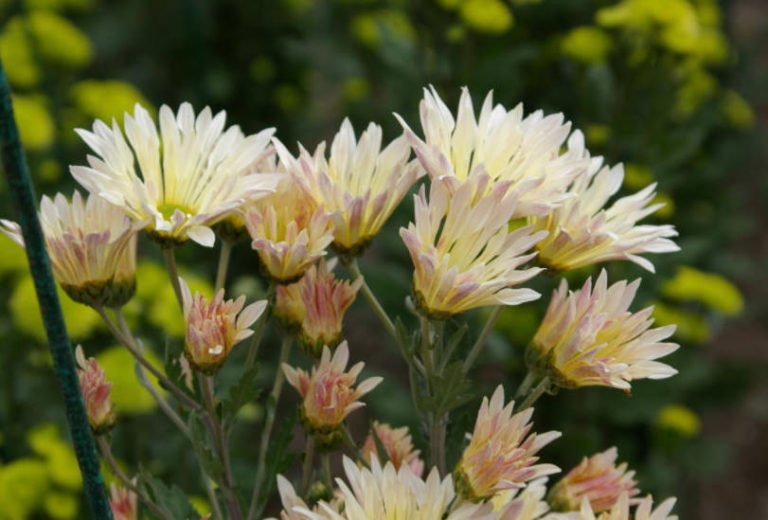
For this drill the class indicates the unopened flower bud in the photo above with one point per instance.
(95, 390)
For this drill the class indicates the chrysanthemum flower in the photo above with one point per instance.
(213, 328)
(359, 183)
(463, 252)
(583, 231)
(590, 338)
(523, 504)
(397, 444)
(329, 393)
(315, 306)
(123, 503)
(621, 511)
(292, 503)
(501, 453)
(389, 494)
(596, 478)
(92, 246)
(190, 175)
(95, 390)
(525, 151)
(289, 231)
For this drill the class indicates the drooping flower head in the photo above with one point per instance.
(329, 393)
(385, 493)
(92, 246)
(214, 327)
(462, 250)
(315, 306)
(583, 231)
(590, 338)
(95, 391)
(596, 478)
(358, 183)
(622, 511)
(502, 452)
(524, 151)
(123, 502)
(397, 444)
(289, 231)
(190, 175)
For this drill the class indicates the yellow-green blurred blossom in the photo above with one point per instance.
(697, 87)
(57, 5)
(587, 44)
(455, 33)
(374, 28)
(128, 396)
(61, 506)
(713, 290)
(691, 327)
(17, 56)
(597, 134)
(58, 40)
(680, 419)
(355, 89)
(487, 16)
(61, 464)
(23, 485)
(13, 258)
(49, 170)
(737, 111)
(668, 209)
(106, 99)
(35, 123)
(637, 176)
(201, 505)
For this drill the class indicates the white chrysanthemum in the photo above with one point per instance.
(181, 181)
(503, 144)
(389, 494)
(359, 183)
(462, 250)
(622, 511)
(92, 246)
(590, 338)
(583, 231)
(523, 504)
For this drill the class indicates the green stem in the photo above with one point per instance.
(169, 254)
(325, 463)
(372, 301)
(309, 458)
(22, 193)
(258, 332)
(274, 399)
(221, 271)
(525, 386)
(481, 339)
(537, 392)
(352, 447)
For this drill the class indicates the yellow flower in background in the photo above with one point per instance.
(667, 208)
(680, 419)
(697, 86)
(23, 487)
(737, 110)
(691, 327)
(18, 59)
(637, 176)
(711, 289)
(56, 5)
(57, 39)
(34, 121)
(597, 134)
(106, 99)
(377, 27)
(127, 393)
(587, 44)
(486, 16)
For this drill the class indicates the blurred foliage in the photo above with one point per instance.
(651, 83)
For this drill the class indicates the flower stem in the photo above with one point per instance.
(372, 301)
(261, 327)
(537, 392)
(481, 339)
(221, 271)
(325, 462)
(352, 446)
(525, 386)
(169, 254)
(309, 458)
(274, 399)
(436, 424)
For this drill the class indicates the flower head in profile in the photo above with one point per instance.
(397, 445)
(583, 231)
(462, 250)
(315, 306)
(505, 145)
(92, 246)
(329, 393)
(123, 502)
(289, 231)
(95, 391)
(502, 452)
(293, 505)
(386, 493)
(589, 337)
(596, 478)
(180, 181)
(622, 510)
(214, 327)
(358, 183)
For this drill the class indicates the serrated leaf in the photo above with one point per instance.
(171, 500)
(449, 389)
(201, 443)
(245, 390)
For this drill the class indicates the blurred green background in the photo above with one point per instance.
(672, 88)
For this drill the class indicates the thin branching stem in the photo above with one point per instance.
(481, 339)
(223, 267)
(377, 308)
(537, 392)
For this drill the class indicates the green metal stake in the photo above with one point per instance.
(17, 172)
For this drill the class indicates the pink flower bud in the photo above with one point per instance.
(398, 446)
(122, 501)
(95, 389)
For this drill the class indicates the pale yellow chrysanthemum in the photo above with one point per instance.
(590, 338)
(384, 493)
(292, 503)
(397, 444)
(501, 453)
(359, 183)
(596, 478)
(583, 231)
(214, 327)
(622, 511)
(329, 393)
(289, 232)
(462, 250)
(92, 246)
(191, 175)
(526, 151)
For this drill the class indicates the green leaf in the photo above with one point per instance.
(278, 459)
(244, 390)
(171, 500)
(201, 442)
(450, 390)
